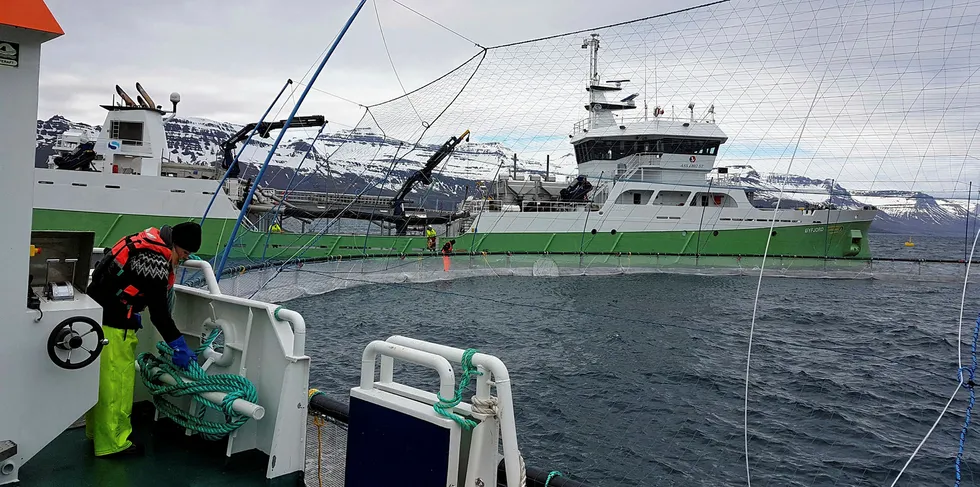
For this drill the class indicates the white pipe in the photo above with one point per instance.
(219, 358)
(242, 406)
(387, 369)
(208, 272)
(214, 356)
(299, 329)
(505, 398)
(447, 379)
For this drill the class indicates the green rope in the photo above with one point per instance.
(235, 386)
(551, 475)
(445, 406)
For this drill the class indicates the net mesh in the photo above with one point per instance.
(872, 93)
(868, 95)
(326, 445)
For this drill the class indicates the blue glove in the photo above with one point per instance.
(183, 355)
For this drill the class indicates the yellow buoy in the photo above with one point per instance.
(910, 243)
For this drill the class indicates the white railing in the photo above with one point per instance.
(493, 373)
(585, 124)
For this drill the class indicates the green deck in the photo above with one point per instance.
(818, 241)
(171, 459)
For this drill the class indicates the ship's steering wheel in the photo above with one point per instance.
(84, 344)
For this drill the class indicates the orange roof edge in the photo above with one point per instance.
(30, 14)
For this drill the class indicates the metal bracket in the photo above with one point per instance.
(7, 449)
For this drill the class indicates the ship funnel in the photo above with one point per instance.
(149, 101)
(126, 99)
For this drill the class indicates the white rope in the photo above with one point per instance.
(914, 453)
(490, 407)
(959, 357)
(966, 280)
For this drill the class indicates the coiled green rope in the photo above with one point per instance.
(445, 406)
(235, 386)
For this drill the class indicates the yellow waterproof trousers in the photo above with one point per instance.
(108, 422)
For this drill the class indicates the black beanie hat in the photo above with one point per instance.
(187, 236)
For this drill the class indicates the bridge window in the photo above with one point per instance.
(128, 133)
(611, 150)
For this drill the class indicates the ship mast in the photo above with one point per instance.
(592, 44)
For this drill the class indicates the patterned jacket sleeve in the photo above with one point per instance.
(152, 273)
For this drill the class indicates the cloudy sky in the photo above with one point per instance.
(228, 58)
(871, 93)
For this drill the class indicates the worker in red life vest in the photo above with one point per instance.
(137, 273)
(448, 247)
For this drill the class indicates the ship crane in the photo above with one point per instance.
(228, 146)
(423, 176)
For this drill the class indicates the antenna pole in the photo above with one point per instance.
(644, 88)
(592, 44)
(594, 66)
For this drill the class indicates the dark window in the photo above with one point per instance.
(605, 150)
(129, 133)
(636, 198)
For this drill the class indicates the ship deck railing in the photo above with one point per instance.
(497, 206)
(582, 125)
(323, 198)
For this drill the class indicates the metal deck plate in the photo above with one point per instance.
(170, 460)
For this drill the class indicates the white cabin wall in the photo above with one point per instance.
(86, 191)
(143, 159)
(18, 136)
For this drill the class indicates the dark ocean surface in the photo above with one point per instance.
(639, 379)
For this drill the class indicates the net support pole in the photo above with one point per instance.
(275, 145)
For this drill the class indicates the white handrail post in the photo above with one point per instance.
(208, 272)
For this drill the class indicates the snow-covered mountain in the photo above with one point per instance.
(367, 158)
(350, 160)
(906, 212)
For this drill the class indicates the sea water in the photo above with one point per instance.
(639, 379)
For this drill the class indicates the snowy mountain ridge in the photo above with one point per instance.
(366, 158)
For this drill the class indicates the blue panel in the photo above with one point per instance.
(386, 447)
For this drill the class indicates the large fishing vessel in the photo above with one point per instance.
(645, 186)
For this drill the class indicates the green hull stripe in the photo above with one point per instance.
(848, 239)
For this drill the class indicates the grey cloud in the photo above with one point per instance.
(894, 82)
(258, 44)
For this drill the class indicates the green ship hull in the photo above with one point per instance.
(841, 240)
